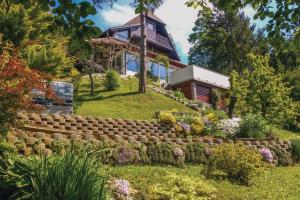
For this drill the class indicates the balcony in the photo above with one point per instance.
(153, 37)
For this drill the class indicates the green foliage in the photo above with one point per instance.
(179, 94)
(161, 154)
(112, 80)
(73, 176)
(253, 126)
(181, 187)
(296, 149)
(283, 157)
(221, 39)
(261, 90)
(216, 114)
(238, 161)
(167, 117)
(194, 153)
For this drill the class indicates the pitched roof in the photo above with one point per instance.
(137, 21)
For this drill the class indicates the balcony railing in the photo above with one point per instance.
(155, 38)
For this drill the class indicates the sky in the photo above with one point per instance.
(178, 17)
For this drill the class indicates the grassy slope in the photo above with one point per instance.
(278, 183)
(124, 103)
(285, 134)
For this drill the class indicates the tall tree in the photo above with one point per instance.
(141, 8)
(221, 39)
(260, 90)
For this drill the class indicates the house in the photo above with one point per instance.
(159, 42)
(197, 83)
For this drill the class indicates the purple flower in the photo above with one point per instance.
(122, 188)
(267, 154)
(185, 127)
(125, 155)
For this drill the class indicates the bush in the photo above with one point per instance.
(283, 157)
(253, 126)
(161, 154)
(72, 176)
(126, 155)
(197, 126)
(296, 149)
(181, 187)
(180, 95)
(228, 127)
(194, 153)
(218, 114)
(167, 117)
(238, 161)
(112, 80)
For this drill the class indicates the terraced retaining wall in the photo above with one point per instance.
(41, 130)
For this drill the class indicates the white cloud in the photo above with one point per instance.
(177, 16)
(118, 15)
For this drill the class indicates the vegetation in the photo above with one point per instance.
(238, 161)
(296, 149)
(112, 80)
(124, 103)
(276, 183)
(71, 176)
(253, 126)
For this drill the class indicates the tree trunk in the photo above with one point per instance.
(91, 84)
(143, 55)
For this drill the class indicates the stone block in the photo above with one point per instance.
(47, 141)
(57, 136)
(30, 140)
(39, 135)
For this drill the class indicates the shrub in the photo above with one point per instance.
(253, 126)
(72, 176)
(185, 128)
(212, 118)
(238, 161)
(194, 153)
(112, 80)
(228, 127)
(197, 126)
(179, 95)
(283, 157)
(218, 114)
(126, 155)
(179, 156)
(161, 154)
(296, 149)
(167, 117)
(181, 187)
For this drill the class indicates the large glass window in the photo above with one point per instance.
(122, 35)
(132, 63)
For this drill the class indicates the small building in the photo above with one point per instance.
(197, 83)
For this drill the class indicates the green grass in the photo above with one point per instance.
(285, 134)
(280, 183)
(124, 103)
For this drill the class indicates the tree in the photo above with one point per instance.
(283, 20)
(261, 90)
(221, 39)
(16, 84)
(141, 7)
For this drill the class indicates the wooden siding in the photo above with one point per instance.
(203, 93)
(186, 89)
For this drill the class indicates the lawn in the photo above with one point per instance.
(286, 134)
(276, 184)
(124, 103)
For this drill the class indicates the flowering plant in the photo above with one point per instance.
(121, 189)
(228, 126)
(185, 128)
(267, 154)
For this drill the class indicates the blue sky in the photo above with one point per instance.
(179, 19)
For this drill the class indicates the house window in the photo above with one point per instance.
(122, 35)
(132, 63)
(151, 26)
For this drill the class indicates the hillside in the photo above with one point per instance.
(124, 103)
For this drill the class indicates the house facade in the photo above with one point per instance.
(195, 82)
(159, 42)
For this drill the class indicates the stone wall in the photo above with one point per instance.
(41, 130)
